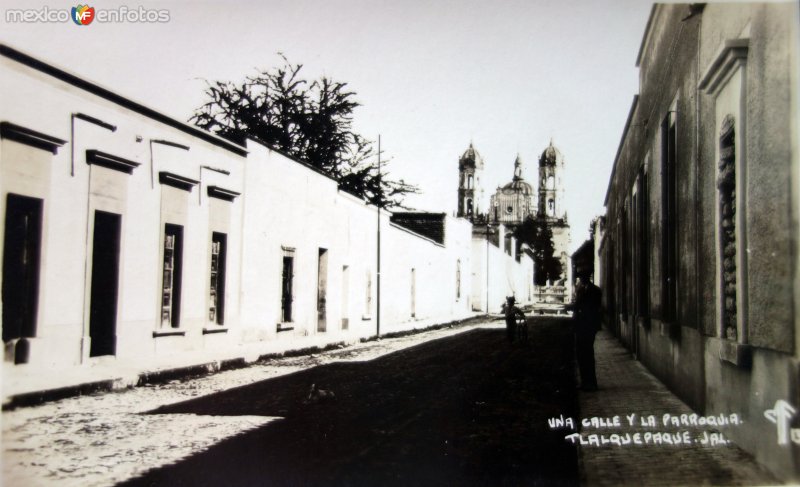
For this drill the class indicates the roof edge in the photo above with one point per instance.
(95, 89)
(631, 113)
(647, 33)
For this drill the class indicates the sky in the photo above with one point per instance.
(431, 76)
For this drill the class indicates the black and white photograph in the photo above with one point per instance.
(400, 242)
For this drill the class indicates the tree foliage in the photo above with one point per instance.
(536, 232)
(309, 120)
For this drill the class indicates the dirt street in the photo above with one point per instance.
(454, 407)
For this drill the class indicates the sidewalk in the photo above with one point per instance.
(627, 387)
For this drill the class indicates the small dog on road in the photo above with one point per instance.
(316, 395)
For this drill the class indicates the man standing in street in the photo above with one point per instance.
(509, 312)
(586, 321)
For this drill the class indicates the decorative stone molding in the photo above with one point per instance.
(222, 193)
(177, 181)
(30, 137)
(98, 158)
(732, 56)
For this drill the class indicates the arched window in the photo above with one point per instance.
(469, 207)
(551, 182)
(469, 181)
(551, 206)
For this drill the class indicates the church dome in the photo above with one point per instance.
(518, 184)
(470, 157)
(551, 156)
(519, 187)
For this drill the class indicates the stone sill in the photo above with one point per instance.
(738, 354)
(210, 331)
(169, 332)
(287, 326)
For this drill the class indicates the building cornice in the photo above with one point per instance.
(177, 181)
(98, 158)
(30, 137)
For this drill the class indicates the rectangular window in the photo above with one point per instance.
(635, 248)
(216, 311)
(669, 207)
(643, 243)
(322, 290)
(345, 297)
(413, 293)
(173, 270)
(287, 277)
(458, 279)
(624, 261)
(368, 297)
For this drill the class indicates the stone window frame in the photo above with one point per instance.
(169, 225)
(216, 301)
(725, 80)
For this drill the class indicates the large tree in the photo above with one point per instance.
(309, 120)
(536, 232)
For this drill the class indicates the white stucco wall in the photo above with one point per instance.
(500, 272)
(70, 201)
(278, 205)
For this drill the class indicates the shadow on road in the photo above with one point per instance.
(470, 409)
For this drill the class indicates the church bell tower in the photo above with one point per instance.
(470, 191)
(551, 187)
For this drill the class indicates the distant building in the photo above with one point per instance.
(700, 269)
(516, 201)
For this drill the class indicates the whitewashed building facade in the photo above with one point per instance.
(135, 239)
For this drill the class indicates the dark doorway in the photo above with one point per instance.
(105, 283)
(21, 249)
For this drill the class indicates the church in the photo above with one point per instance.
(517, 201)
